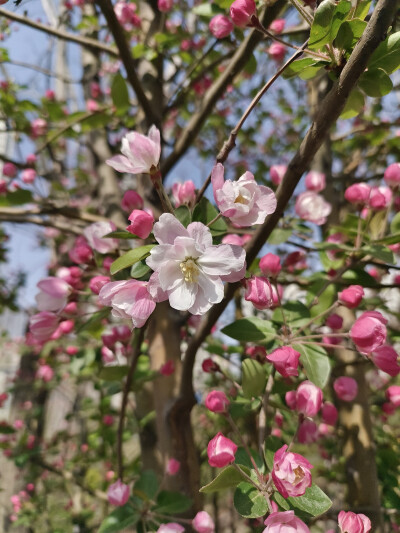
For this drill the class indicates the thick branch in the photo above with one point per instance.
(328, 113)
(66, 36)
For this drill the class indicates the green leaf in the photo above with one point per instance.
(354, 104)
(278, 236)
(271, 445)
(5, 429)
(242, 458)
(395, 224)
(130, 258)
(183, 215)
(204, 212)
(94, 321)
(172, 503)
(375, 83)
(358, 276)
(250, 329)
(349, 33)
(387, 55)
(146, 487)
(139, 269)
(315, 362)
(362, 9)
(18, 197)
(113, 373)
(119, 234)
(314, 502)
(380, 252)
(120, 94)
(249, 502)
(327, 21)
(254, 378)
(377, 224)
(119, 519)
(227, 479)
(298, 66)
(95, 122)
(296, 314)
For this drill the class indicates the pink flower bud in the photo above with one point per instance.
(312, 207)
(108, 420)
(97, 282)
(291, 473)
(184, 193)
(165, 5)
(66, 326)
(308, 398)
(270, 265)
(118, 493)
(285, 360)
(171, 527)
(379, 198)
(386, 359)
(346, 388)
(393, 395)
(221, 451)
(329, 414)
(38, 127)
(72, 350)
(315, 181)
(353, 523)
(352, 296)
(95, 90)
(276, 173)
(284, 522)
(95, 237)
(242, 11)
(45, 373)
(392, 175)
(53, 294)
(81, 251)
(358, 193)
(217, 402)
(290, 399)
(203, 523)
(173, 467)
(28, 175)
(334, 322)
(31, 159)
(258, 292)
(278, 25)
(220, 26)
(43, 325)
(141, 223)
(9, 170)
(308, 432)
(30, 487)
(168, 368)
(277, 51)
(369, 331)
(209, 366)
(131, 200)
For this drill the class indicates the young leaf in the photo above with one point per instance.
(249, 502)
(147, 485)
(250, 329)
(119, 519)
(375, 82)
(227, 479)
(316, 363)
(327, 21)
(387, 55)
(354, 104)
(130, 258)
(120, 94)
(172, 503)
(314, 502)
(254, 378)
(205, 212)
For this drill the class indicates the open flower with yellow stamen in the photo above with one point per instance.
(188, 269)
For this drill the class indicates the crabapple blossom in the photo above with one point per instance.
(9, 170)
(243, 201)
(277, 51)
(291, 473)
(53, 294)
(45, 373)
(276, 173)
(393, 395)
(353, 523)
(284, 522)
(217, 402)
(270, 265)
(38, 127)
(118, 493)
(369, 331)
(28, 175)
(346, 388)
(128, 299)
(315, 181)
(184, 193)
(171, 527)
(43, 325)
(165, 5)
(81, 252)
(173, 467)
(188, 269)
(392, 175)
(140, 153)
(131, 200)
(95, 236)
(168, 368)
(358, 193)
(386, 359)
(242, 11)
(352, 296)
(308, 398)
(141, 223)
(308, 432)
(258, 292)
(285, 360)
(379, 198)
(221, 451)
(329, 413)
(334, 321)
(278, 25)
(203, 523)
(220, 26)
(312, 207)
(97, 282)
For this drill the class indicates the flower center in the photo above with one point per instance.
(299, 474)
(189, 270)
(240, 200)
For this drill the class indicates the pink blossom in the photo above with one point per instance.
(393, 395)
(50, 95)
(308, 398)
(290, 399)
(38, 127)
(141, 223)
(221, 26)
(28, 175)
(277, 51)
(291, 473)
(380, 198)
(95, 90)
(66, 326)
(209, 366)
(217, 402)
(95, 237)
(128, 299)
(334, 322)
(278, 25)
(43, 325)
(308, 432)
(257, 352)
(312, 207)
(173, 467)
(19, 424)
(171, 527)
(270, 265)
(315, 181)
(31, 159)
(81, 252)
(285, 522)
(126, 15)
(258, 292)
(108, 420)
(221, 451)
(276, 173)
(97, 282)
(392, 175)
(353, 523)
(386, 359)
(188, 269)
(329, 414)
(242, 11)
(203, 523)
(140, 153)
(118, 493)
(131, 200)
(369, 331)
(346, 388)
(352, 296)
(285, 360)
(168, 368)
(184, 193)
(53, 294)
(165, 5)
(9, 170)
(358, 193)
(45, 373)
(243, 201)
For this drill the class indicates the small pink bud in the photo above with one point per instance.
(392, 175)
(118, 493)
(353, 523)
(312, 207)
(315, 181)
(108, 420)
(278, 25)
(393, 395)
(217, 402)
(131, 200)
(308, 432)
(334, 322)
(270, 265)
(242, 11)
(346, 388)
(209, 366)
(386, 359)
(308, 398)
(329, 414)
(110, 475)
(28, 175)
(173, 467)
(277, 51)
(285, 360)
(276, 173)
(369, 331)
(38, 127)
(168, 368)
(141, 223)
(352, 296)
(358, 193)
(96, 283)
(203, 523)
(221, 451)
(258, 292)
(165, 5)
(9, 170)
(184, 193)
(220, 26)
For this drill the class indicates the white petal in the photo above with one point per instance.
(170, 275)
(121, 163)
(212, 287)
(168, 228)
(183, 296)
(222, 260)
(201, 235)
